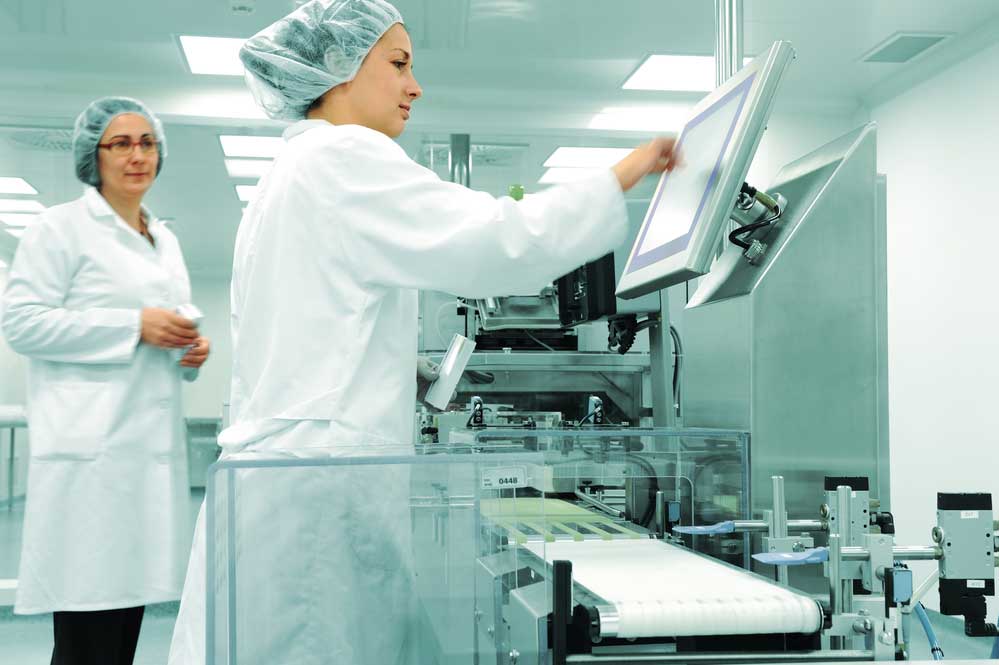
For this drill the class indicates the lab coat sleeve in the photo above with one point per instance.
(402, 226)
(36, 323)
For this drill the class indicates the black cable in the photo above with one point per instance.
(735, 236)
(653, 486)
(677, 353)
(653, 482)
(528, 333)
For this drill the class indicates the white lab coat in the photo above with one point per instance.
(343, 232)
(106, 522)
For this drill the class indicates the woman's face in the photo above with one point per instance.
(130, 173)
(384, 89)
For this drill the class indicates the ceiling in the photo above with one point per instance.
(528, 74)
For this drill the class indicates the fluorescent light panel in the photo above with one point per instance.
(641, 119)
(20, 205)
(9, 185)
(251, 146)
(592, 158)
(560, 175)
(246, 192)
(19, 219)
(679, 73)
(248, 168)
(218, 56)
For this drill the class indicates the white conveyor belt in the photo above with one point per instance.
(661, 590)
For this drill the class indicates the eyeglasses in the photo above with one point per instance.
(123, 146)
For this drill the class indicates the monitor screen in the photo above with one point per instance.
(679, 203)
(688, 215)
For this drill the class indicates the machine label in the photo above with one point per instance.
(969, 514)
(507, 477)
(976, 584)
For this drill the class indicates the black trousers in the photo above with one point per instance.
(107, 637)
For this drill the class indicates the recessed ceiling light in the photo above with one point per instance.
(688, 73)
(679, 73)
(219, 103)
(19, 219)
(212, 55)
(559, 175)
(251, 146)
(20, 205)
(568, 157)
(9, 185)
(248, 168)
(246, 192)
(641, 118)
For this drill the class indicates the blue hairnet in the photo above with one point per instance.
(93, 122)
(317, 47)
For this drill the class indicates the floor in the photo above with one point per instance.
(27, 640)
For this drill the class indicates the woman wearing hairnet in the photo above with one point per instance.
(329, 257)
(91, 302)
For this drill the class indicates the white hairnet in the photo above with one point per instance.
(320, 45)
(93, 122)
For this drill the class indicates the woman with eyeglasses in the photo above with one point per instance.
(92, 301)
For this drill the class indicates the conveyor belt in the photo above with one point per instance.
(526, 519)
(661, 590)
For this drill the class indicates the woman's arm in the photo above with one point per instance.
(34, 320)
(400, 225)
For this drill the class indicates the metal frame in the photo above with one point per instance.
(763, 75)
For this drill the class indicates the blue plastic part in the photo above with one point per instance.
(931, 636)
(709, 530)
(803, 558)
(902, 585)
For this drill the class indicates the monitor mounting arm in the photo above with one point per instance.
(754, 210)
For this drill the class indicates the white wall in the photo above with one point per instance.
(12, 388)
(938, 144)
(12, 366)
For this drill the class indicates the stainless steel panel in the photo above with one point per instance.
(794, 349)
(562, 361)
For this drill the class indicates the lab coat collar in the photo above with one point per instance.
(101, 209)
(303, 126)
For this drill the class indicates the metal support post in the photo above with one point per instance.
(460, 159)
(660, 342)
(10, 473)
(780, 522)
(844, 516)
(728, 40)
(835, 588)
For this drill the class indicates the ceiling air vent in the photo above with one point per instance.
(51, 140)
(903, 47)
